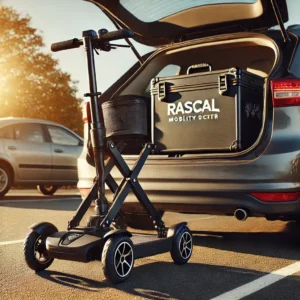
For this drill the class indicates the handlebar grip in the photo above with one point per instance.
(117, 35)
(65, 45)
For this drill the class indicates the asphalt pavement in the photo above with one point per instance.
(254, 259)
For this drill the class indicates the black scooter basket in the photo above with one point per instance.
(125, 118)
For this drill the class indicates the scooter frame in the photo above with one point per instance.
(130, 177)
(99, 240)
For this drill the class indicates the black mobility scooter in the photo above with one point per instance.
(100, 239)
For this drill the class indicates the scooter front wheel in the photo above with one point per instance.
(117, 258)
(35, 252)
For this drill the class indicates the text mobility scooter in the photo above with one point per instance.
(99, 240)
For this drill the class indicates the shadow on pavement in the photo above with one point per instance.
(72, 281)
(284, 244)
(162, 280)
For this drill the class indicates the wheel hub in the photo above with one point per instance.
(185, 245)
(123, 259)
(40, 251)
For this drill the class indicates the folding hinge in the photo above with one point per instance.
(92, 94)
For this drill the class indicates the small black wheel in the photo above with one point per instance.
(182, 246)
(5, 180)
(117, 258)
(47, 190)
(35, 252)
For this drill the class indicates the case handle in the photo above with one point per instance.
(199, 68)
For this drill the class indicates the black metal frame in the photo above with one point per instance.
(129, 182)
(104, 215)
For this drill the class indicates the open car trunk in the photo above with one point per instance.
(232, 36)
(255, 53)
(162, 22)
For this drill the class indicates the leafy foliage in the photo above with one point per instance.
(31, 84)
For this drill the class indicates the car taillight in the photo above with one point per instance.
(86, 112)
(285, 92)
(276, 197)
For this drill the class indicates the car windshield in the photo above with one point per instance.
(154, 10)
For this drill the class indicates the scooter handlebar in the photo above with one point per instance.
(65, 45)
(109, 36)
(117, 35)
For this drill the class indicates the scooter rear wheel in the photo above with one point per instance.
(117, 258)
(182, 246)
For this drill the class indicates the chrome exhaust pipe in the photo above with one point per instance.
(241, 214)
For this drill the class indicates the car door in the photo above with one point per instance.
(29, 152)
(66, 148)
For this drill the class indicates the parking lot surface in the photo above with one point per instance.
(254, 259)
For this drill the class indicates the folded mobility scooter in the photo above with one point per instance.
(100, 239)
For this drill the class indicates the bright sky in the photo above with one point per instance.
(65, 19)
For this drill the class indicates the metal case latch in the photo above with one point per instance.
(223, 85)
(161, 91)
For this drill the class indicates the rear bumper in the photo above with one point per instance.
(224, 203)
(216, 189)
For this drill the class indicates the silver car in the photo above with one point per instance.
(37, 152)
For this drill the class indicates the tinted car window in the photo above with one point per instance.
(29, 132)
(7, 132)
(61, 136)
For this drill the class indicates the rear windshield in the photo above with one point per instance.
(293, 9)
(153, 10)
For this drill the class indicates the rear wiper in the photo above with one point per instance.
(278, 16)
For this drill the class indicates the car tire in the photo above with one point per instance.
(182, 246)
(117, 258)
(35, 252)
(5, 180)
(47, 190)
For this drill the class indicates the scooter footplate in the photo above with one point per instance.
(149, 245)
(74, 246)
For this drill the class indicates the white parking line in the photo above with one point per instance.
(260, 283)
(39, 200)
(11, 242)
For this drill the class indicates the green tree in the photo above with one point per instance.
(31, 83)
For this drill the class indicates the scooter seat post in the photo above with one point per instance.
(97, 130)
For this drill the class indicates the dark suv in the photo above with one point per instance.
(261, 180)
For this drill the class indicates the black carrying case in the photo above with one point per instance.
(206, 112)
